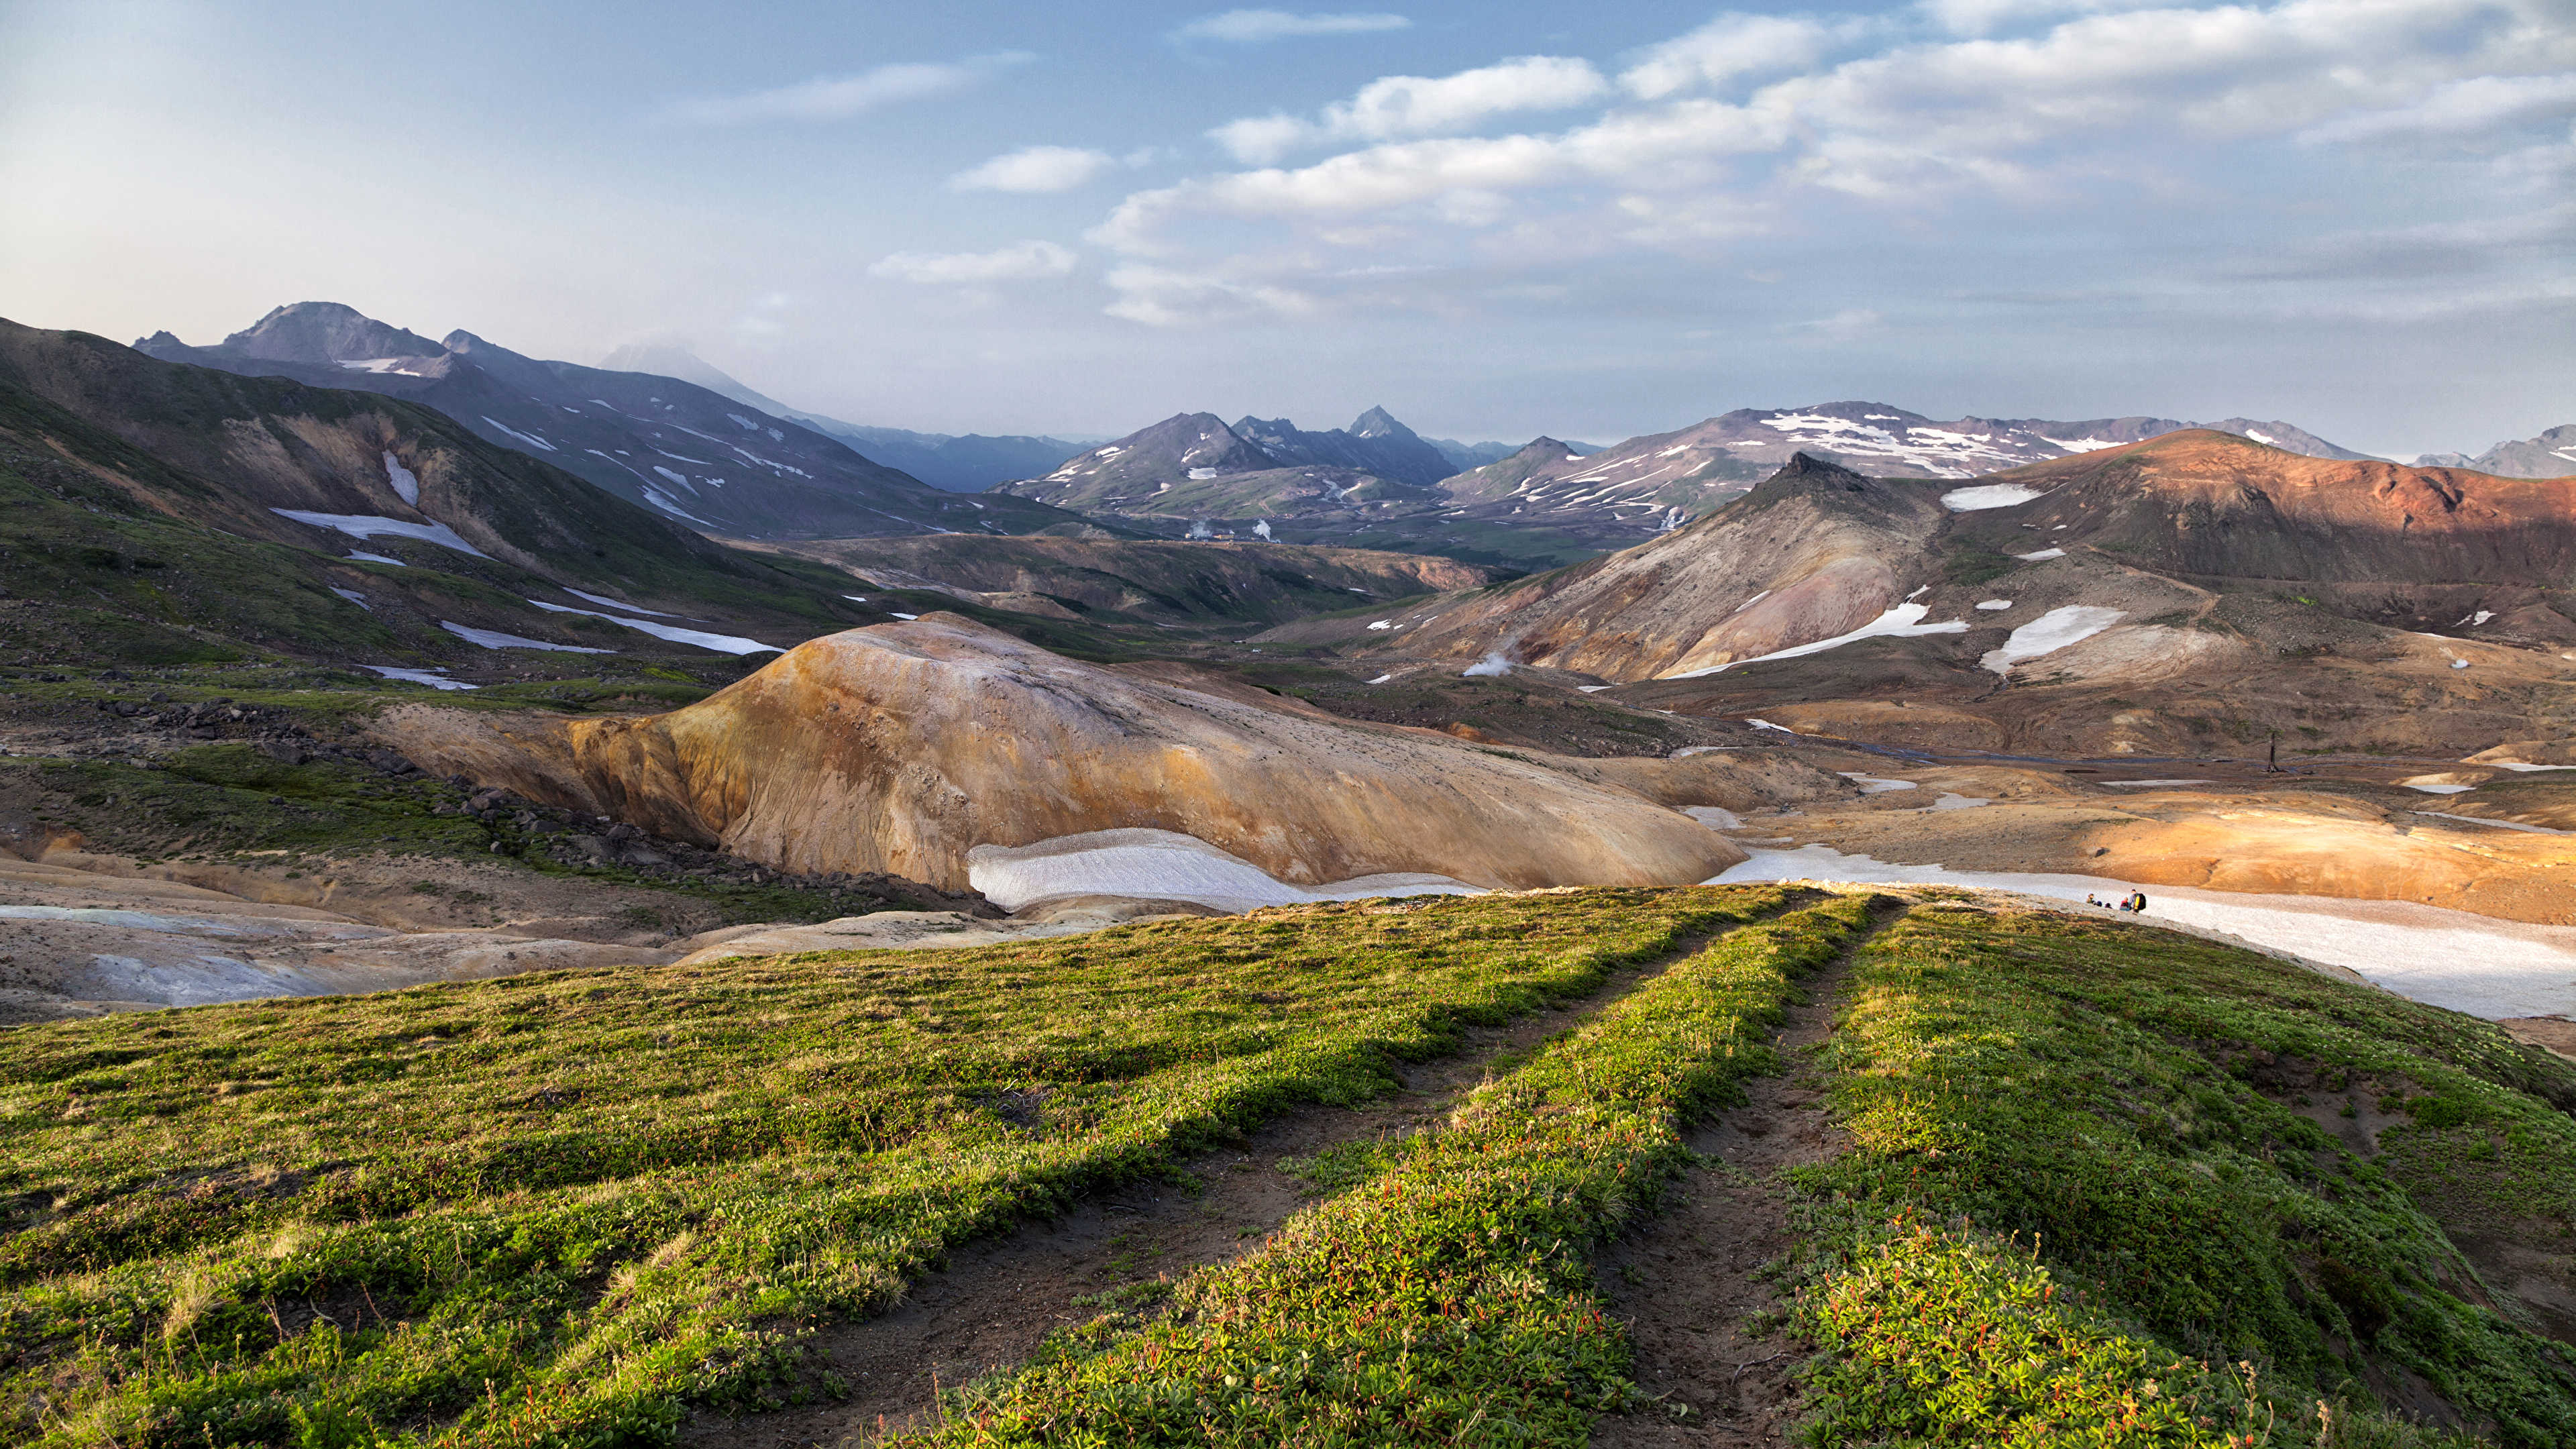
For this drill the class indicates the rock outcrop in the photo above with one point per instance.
(902, 747)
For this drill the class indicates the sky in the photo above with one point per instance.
(1495, 219)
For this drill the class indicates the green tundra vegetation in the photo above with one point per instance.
(2101, 1189)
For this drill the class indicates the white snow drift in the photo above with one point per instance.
(1903, 621)
(495, 639)
(2050, 632)
(1164, 865)
(1989, 495)
(2450, 959)
(721, 643)
(362, 527)
(406, 484)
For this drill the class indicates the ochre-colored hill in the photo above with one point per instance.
(900, 748)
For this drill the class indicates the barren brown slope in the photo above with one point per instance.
(900, 748)
(2213, 504)
(1814, 551)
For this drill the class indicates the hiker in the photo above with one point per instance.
(2138, 902)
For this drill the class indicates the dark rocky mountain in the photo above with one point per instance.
(693, 454)
(959, 463)
(1374, 443)
(2551, 455)
(164, 511)
(1190, 465)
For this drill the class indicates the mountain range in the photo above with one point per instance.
(1664, 478)
(1548, 501)
(688, 452)
(2551, 455)
(2389, 608)
(163, 512)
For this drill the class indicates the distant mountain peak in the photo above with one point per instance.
(1377, 422)
(326, 332)
(2550, 455)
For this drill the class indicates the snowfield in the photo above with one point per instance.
(720, 643)
(406, 484)
(1989, 495)
(1903, 621)
(2452, 959)
(362, 527)
(1164, 865)
(533, 442)
(630, 608)
(2050, 632)
(495, 639)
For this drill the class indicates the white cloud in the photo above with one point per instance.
(1159, 297)
(1732, 45)
(1019, 262)
(1035, 169)
(1248, 27)
(1412, 105)
(837, 98)
(1743, 128)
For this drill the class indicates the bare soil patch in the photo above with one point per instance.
(1689, 1283)
(994, 1302)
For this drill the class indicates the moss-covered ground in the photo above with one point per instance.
(544, 1209)
(2142, 1114)
(2087, 1205)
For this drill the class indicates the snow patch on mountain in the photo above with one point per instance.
(1902, 622)
(406, 483)
(364, 526)
(2049, 633)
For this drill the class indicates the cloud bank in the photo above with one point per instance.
(1755, 125)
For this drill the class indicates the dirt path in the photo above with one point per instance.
(997, 1299)
(1685, 1283)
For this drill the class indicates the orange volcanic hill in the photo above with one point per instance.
(2214, 504)
(900, 748)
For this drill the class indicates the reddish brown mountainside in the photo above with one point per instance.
(2205, 503)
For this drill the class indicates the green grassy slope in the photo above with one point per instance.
(2166, 1122)
(541, 1209)
(2085, 1187)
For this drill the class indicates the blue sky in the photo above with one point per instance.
(1495, 219)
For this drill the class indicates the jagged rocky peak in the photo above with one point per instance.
(1807, 474)
(1377, 422)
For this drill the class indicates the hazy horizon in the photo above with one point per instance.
(2350, 215)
